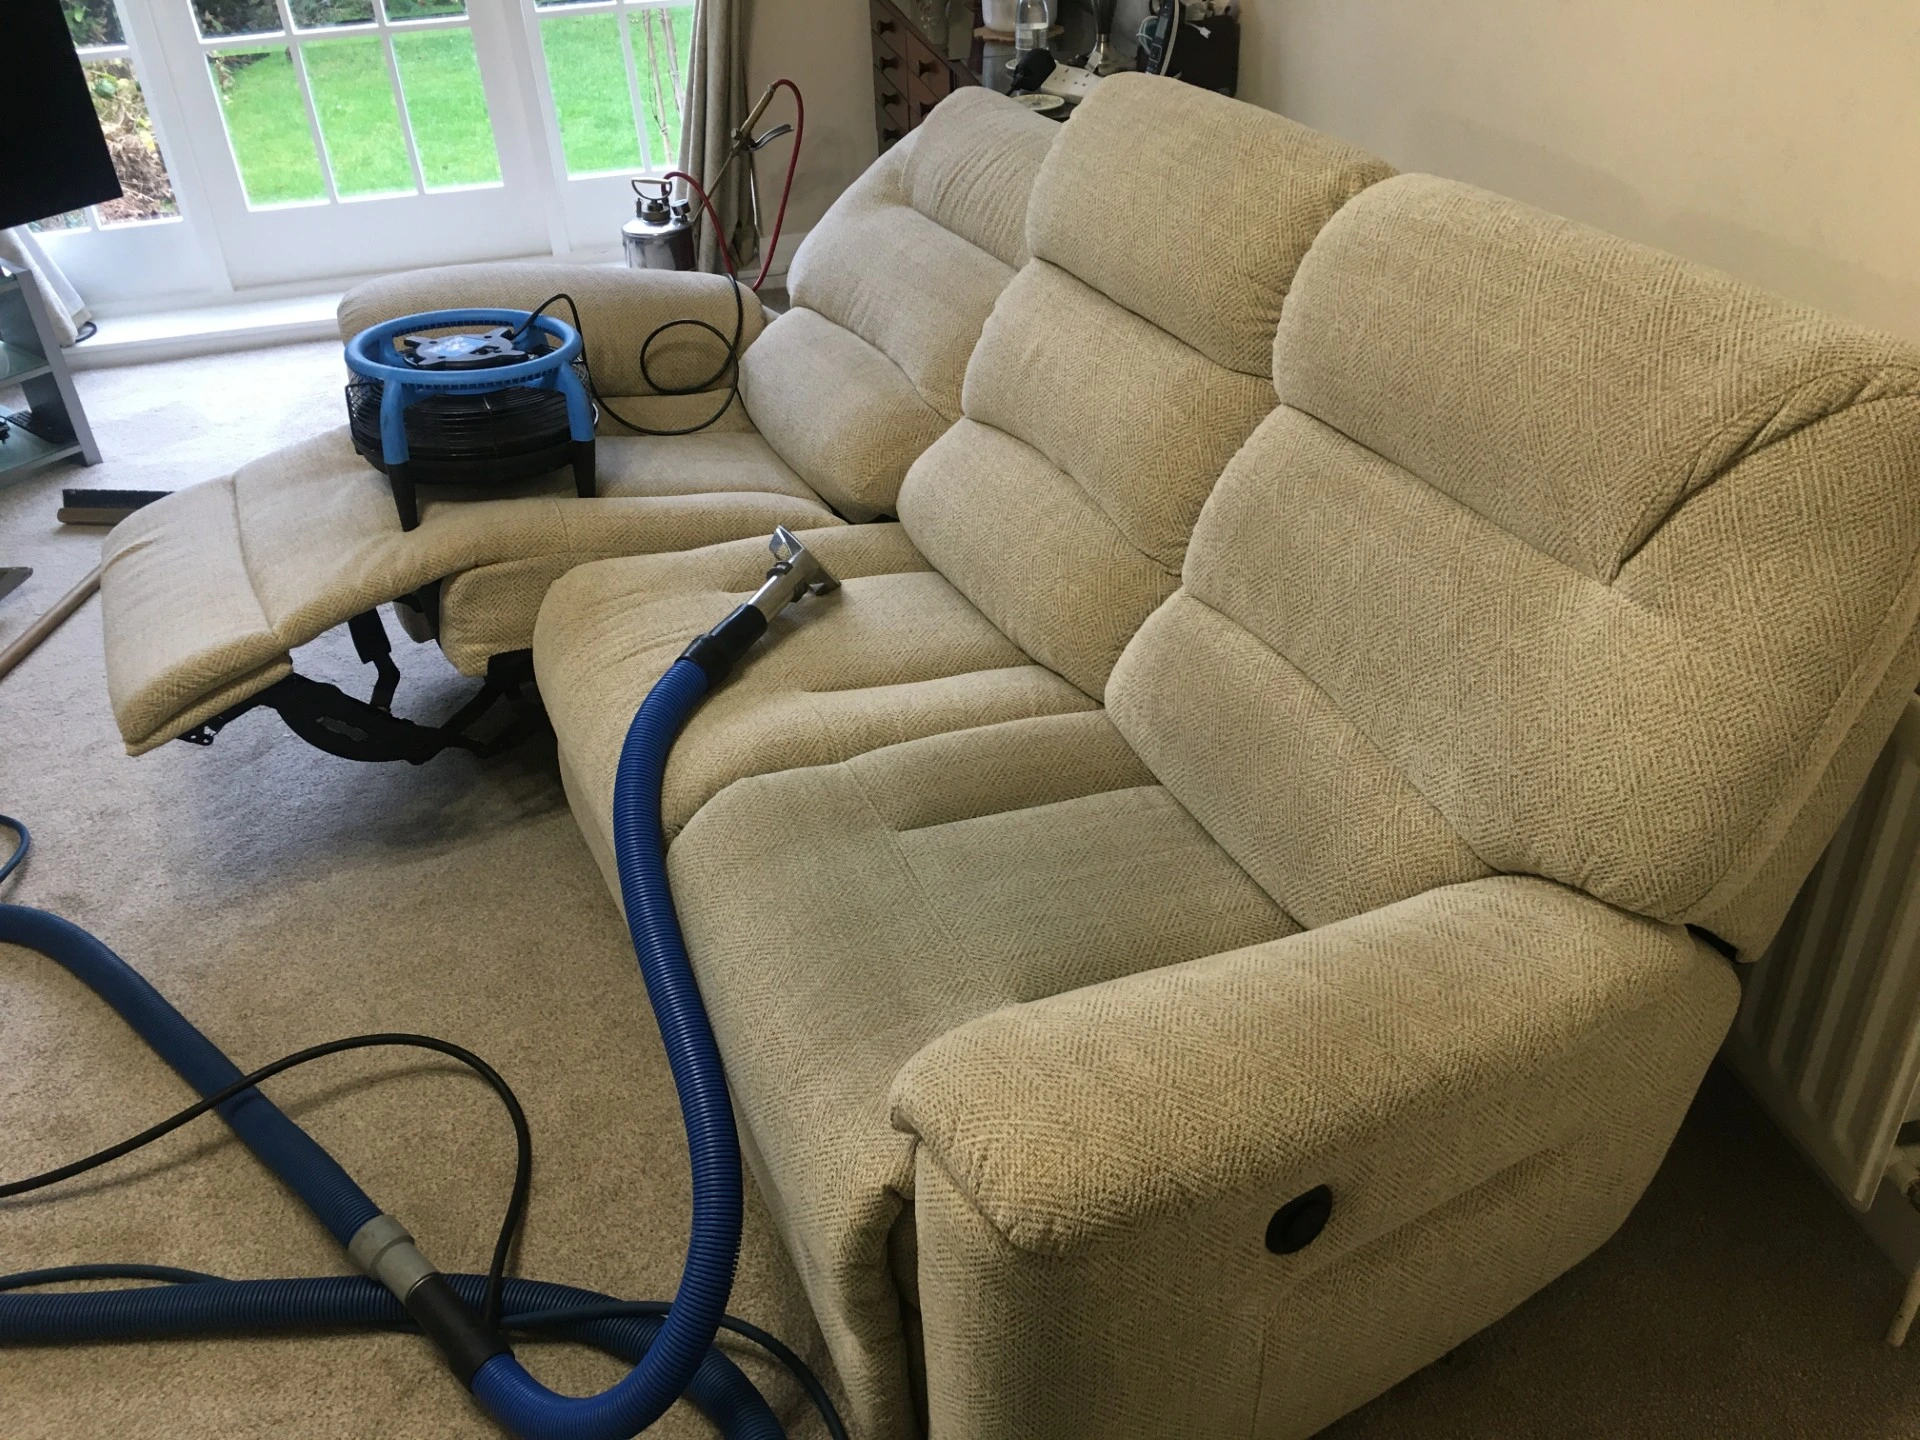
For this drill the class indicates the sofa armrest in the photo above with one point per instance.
(1479, 1012)
(619, 308)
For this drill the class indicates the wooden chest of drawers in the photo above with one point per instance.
(910, 76)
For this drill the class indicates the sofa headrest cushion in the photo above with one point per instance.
(1190, 209)
(972, 165)
(1570, 386)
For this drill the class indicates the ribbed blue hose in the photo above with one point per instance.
(287, 1150)
(351, 1302)
(513, 1397)
(684, 1342)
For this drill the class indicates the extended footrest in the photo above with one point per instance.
(206, 593)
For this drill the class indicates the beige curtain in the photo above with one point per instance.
(714, 107)
(21, 250)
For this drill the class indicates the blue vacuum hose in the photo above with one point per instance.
(512, 1396)
(287, 1150)
(214, 1307)
(672, 1356)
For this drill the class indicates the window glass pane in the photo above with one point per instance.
(354, 98)
(67, 220)
(312, 14)
(122, 108)
(661, 36)
(236, 17)
(447, 106)
(421, 9)
(588, 73)
(93, 22)
(267, 125)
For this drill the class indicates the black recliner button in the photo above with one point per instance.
(1298, 1223)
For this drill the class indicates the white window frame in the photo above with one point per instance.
(593, 205)
(223, 246)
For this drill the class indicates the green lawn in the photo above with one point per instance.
(353, 97)
(588, 75)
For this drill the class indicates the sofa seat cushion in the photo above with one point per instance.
(491, 608)
(894, 654)
(711, 462)
(889, 899)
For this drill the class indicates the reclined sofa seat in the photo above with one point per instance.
(1117, 374)
(206, 592)
(1558, 609)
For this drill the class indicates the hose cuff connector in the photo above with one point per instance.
(384, 1250)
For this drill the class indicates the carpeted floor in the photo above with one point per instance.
(282, 897)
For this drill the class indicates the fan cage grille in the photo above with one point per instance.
(468, 437)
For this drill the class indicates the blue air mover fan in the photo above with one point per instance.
(467, 409)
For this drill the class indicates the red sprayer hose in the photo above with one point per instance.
(793, 161)
(719, 235)
(780, 215)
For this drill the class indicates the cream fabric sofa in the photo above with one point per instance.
(1117, 374)
(1519, 664)
(206, 592)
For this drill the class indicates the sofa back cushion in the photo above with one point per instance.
(1125, 365)
(889, 293)
(1560, 556)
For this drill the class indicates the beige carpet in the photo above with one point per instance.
(282, 897)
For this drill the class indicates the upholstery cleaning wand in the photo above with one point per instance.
(468, 1317)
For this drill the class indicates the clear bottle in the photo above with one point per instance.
(1031, 20)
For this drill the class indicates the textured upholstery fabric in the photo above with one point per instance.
(1110, 387)
(1484, 1077)
(941, 890)
(889, 292)
(1479, 629)
(205, 592)
(895, 653)
(1560, 596)
(1150, 168)
(490, 609)
(923, 901)
(1059, 508)
(1442, 327)
(847, 416)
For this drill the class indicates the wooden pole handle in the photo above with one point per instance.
(28, 640)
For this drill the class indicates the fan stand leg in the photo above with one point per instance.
(403, 497)
(583, 478)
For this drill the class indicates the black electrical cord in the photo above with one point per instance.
(522, 1136)
(20, 846)
(509, 1227)
(729, 365)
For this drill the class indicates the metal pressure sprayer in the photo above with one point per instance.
(661, 234)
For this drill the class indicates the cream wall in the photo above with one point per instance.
(1777, 140)
(820, 45)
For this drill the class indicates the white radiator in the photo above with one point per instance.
(1828, 1035)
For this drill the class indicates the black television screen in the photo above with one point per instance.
(56, 158)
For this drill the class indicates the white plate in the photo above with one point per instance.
(1042, 103)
